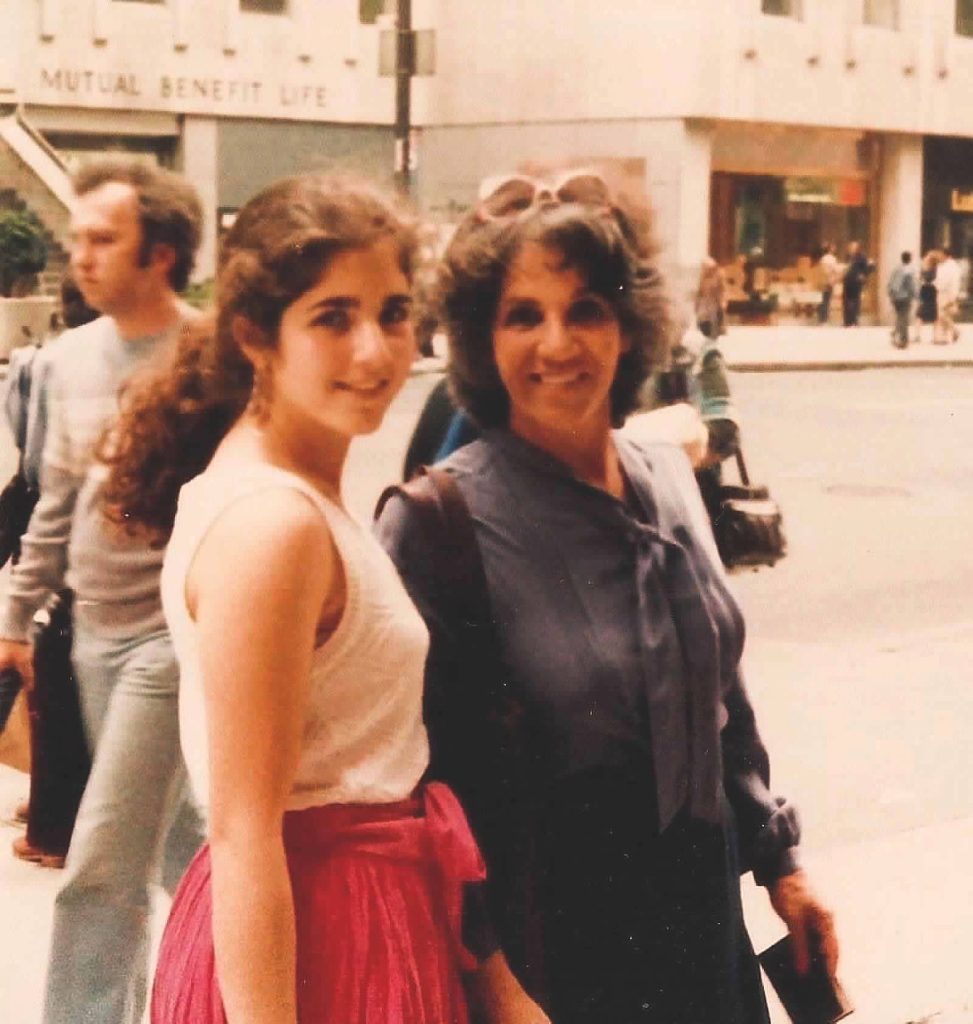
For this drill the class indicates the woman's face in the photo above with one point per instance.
(346, 345)
(556, 345)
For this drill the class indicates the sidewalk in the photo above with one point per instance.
(790, 347)
(835, 348)
(903, 902)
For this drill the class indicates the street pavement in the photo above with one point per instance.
(868, 724)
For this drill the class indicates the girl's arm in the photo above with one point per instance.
(256, 590)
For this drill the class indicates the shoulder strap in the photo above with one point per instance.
(742, 467)
(445, 519)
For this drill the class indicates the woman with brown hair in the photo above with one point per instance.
(333, 884)
(600, 737)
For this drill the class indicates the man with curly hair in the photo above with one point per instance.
(135, 231)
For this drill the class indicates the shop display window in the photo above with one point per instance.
(767, 232)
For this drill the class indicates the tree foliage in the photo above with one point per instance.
(23, 248)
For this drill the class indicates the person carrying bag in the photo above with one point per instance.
(59, 758)
(746, 521)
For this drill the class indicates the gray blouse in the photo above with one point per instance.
(617, 627)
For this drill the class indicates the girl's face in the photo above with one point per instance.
(346, 345)
(556, 345)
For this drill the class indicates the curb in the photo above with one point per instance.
(818, 366)
(424, 367)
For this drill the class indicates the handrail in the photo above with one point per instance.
(38, 137)
(36, 152)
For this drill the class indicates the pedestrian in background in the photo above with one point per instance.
(610, 816)
(927, 310)
(828, 277)
(700, 363)
(948, 284)
(853, 283)
(135, 230)
(902, 291)
(57, 774)
(333, 884)
(711, 300)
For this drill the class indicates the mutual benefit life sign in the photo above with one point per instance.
(189, 93)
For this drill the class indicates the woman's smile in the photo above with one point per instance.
(559, 378)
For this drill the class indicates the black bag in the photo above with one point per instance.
(60, 758)
(17, 501)
(747, 523)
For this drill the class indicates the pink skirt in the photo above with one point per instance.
(378, 896)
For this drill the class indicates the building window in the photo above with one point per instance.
(264, 6)
(964, 17)
(782, 8)
(369, 11)
(881, 13)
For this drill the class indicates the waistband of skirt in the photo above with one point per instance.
(322, 826)
(428, 826)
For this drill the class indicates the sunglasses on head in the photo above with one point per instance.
(511, 194)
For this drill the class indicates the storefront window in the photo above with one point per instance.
(767, 232)
(782, 8)
(964, 17)
(947, 194)
(881, 13)
(786, 218)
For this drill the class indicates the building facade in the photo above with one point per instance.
(234, 93)
(753, 125)
(760, 128)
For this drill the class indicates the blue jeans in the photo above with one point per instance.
(136, 826)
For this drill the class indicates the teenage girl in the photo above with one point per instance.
(334, 883)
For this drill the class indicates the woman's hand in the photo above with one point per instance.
(499, 998)
(810, 923)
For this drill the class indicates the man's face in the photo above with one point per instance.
(106, 237)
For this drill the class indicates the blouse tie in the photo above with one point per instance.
(669, 586)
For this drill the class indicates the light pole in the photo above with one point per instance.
(404, 70)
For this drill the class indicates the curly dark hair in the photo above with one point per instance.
(174, 416)
(170, 212)
(612, 247)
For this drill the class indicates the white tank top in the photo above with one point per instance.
(364, 740)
